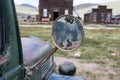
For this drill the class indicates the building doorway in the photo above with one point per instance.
(55, 14)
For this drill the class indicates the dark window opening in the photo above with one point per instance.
(2, 34)
(55, 15)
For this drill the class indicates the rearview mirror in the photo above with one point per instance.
(67, 32)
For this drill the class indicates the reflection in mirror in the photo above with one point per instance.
(67, 32)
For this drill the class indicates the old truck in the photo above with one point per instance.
(30, 58)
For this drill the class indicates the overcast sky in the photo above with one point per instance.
(76, 2)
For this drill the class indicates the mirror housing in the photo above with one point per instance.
(67, 32)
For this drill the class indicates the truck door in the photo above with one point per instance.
(10, 46)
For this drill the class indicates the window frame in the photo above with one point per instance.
(102, 16)
(66, 11)
(108, 16)
(2, 34)
(45, 12)
(95, 17)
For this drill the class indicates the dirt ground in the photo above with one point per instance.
(91, 71)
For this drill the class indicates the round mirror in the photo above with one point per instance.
(67, 32)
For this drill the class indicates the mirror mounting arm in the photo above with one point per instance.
(48, 56)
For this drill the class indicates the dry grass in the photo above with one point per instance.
(101, 47)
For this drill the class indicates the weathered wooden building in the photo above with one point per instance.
(98, 15)
(49, 10)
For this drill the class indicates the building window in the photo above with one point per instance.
(50, 16)
(94, 17)
(44, 12)
(102, 16)
(108, 16)
(66, 11)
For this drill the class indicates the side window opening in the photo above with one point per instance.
(1, 34)
(0, 41)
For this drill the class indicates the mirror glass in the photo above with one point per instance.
(67, 32)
